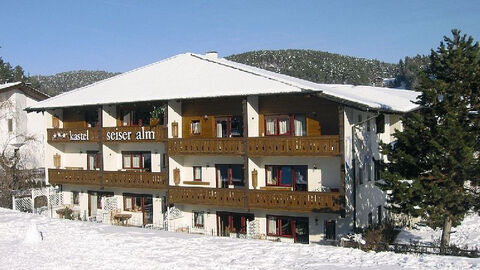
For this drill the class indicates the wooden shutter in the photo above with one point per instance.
(55, 121)
(57, 161)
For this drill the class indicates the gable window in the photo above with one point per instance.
(227, 127)
(229, 174)
(380, 123)
(198, 219)
(137, 161)
(287, 176)
(10, 125)
(195, 127)
(197, 173)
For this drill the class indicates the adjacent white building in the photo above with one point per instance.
(22, 133)
(237, 150)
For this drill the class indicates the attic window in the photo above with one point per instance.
(10, 125)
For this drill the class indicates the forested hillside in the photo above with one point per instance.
(318, 66)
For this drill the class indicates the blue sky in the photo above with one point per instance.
(47, 37)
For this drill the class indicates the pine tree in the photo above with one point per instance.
(433, 166)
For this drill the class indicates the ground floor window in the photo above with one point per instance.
(379, 215)
(96, 200)
(75, 197)
(139, 203)
(228, 223)
(292, 227)
(198, 219)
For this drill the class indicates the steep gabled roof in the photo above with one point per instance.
(28, 90)
(197, 76)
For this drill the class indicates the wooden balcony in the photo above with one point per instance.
(75, 177)
(298, 201)
(134, 134)
(72, 135)
(207, 196)
(294, 146)
(208, 146)
(153, 180)
(122, 179)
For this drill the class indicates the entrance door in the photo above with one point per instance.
(301, 231)
(147, 210)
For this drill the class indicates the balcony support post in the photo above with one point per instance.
(245, 151)
(100, 146)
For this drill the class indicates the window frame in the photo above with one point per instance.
(132, 197)
(96, 161)
(195, 178)
(291, 124)
(229, 174)
(278, 221)
(195, 215)
(75, 197)
(278, 169)
(142, 159)
(229, 120)
(192, 131)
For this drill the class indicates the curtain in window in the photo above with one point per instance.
(283, 126)
(272, 225)
(91, 161)
(136, 161)
(299, 125)
(126, 161)
(219, 130)
(271, 176)
(126, 119)
(198, 216)
(271, 126)
(197, 173)
(196, 127)
(128, 203)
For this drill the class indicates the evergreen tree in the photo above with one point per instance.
(433, 166)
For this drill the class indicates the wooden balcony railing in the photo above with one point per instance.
(298, 201)
(153, 180)
(207, 196)
(134, 134)
(208, 146)
(76, 177)
(294, 146)
(73, 135)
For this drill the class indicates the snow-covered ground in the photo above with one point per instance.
(82, 245)
(465, 235)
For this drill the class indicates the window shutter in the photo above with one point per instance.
(57, 161)
(98, 160)
(55, 121)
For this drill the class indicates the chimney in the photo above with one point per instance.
(211, 55)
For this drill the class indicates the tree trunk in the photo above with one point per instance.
(447, 228)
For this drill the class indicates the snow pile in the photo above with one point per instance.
(82, 245)
(467, 235)
(33, 235)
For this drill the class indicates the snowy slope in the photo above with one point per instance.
(81, 245)
(465, 235)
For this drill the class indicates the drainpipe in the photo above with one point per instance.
(354, 166)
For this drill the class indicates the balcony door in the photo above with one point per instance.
(227, 127)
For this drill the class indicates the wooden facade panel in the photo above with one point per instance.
(216, 146)
(129, 134)
(321, 114)
(72, 135)
(74, 118)
(294, 146)
(207, 196)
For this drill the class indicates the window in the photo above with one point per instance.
(195, 127)
(227, 127)
(137, 117)
(75, 198)
(280, 226)
(232, 223)
(91, 117)
(380, 123)
(379, 215)
(197, 173)
(287, 176)
(229, 174)
(370, 219)
(164, 161)
(100, 198)
(277, 125)
(376, 169)
(368, 126)
(10, 125)
(93, 160)
(198, 220)
(299, 125)
(330, 227)
(137, 161)
(136, 202)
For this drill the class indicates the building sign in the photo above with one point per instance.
(72, 136)
(141, 135)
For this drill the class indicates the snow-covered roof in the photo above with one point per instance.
(191, 75)
(28, 90)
